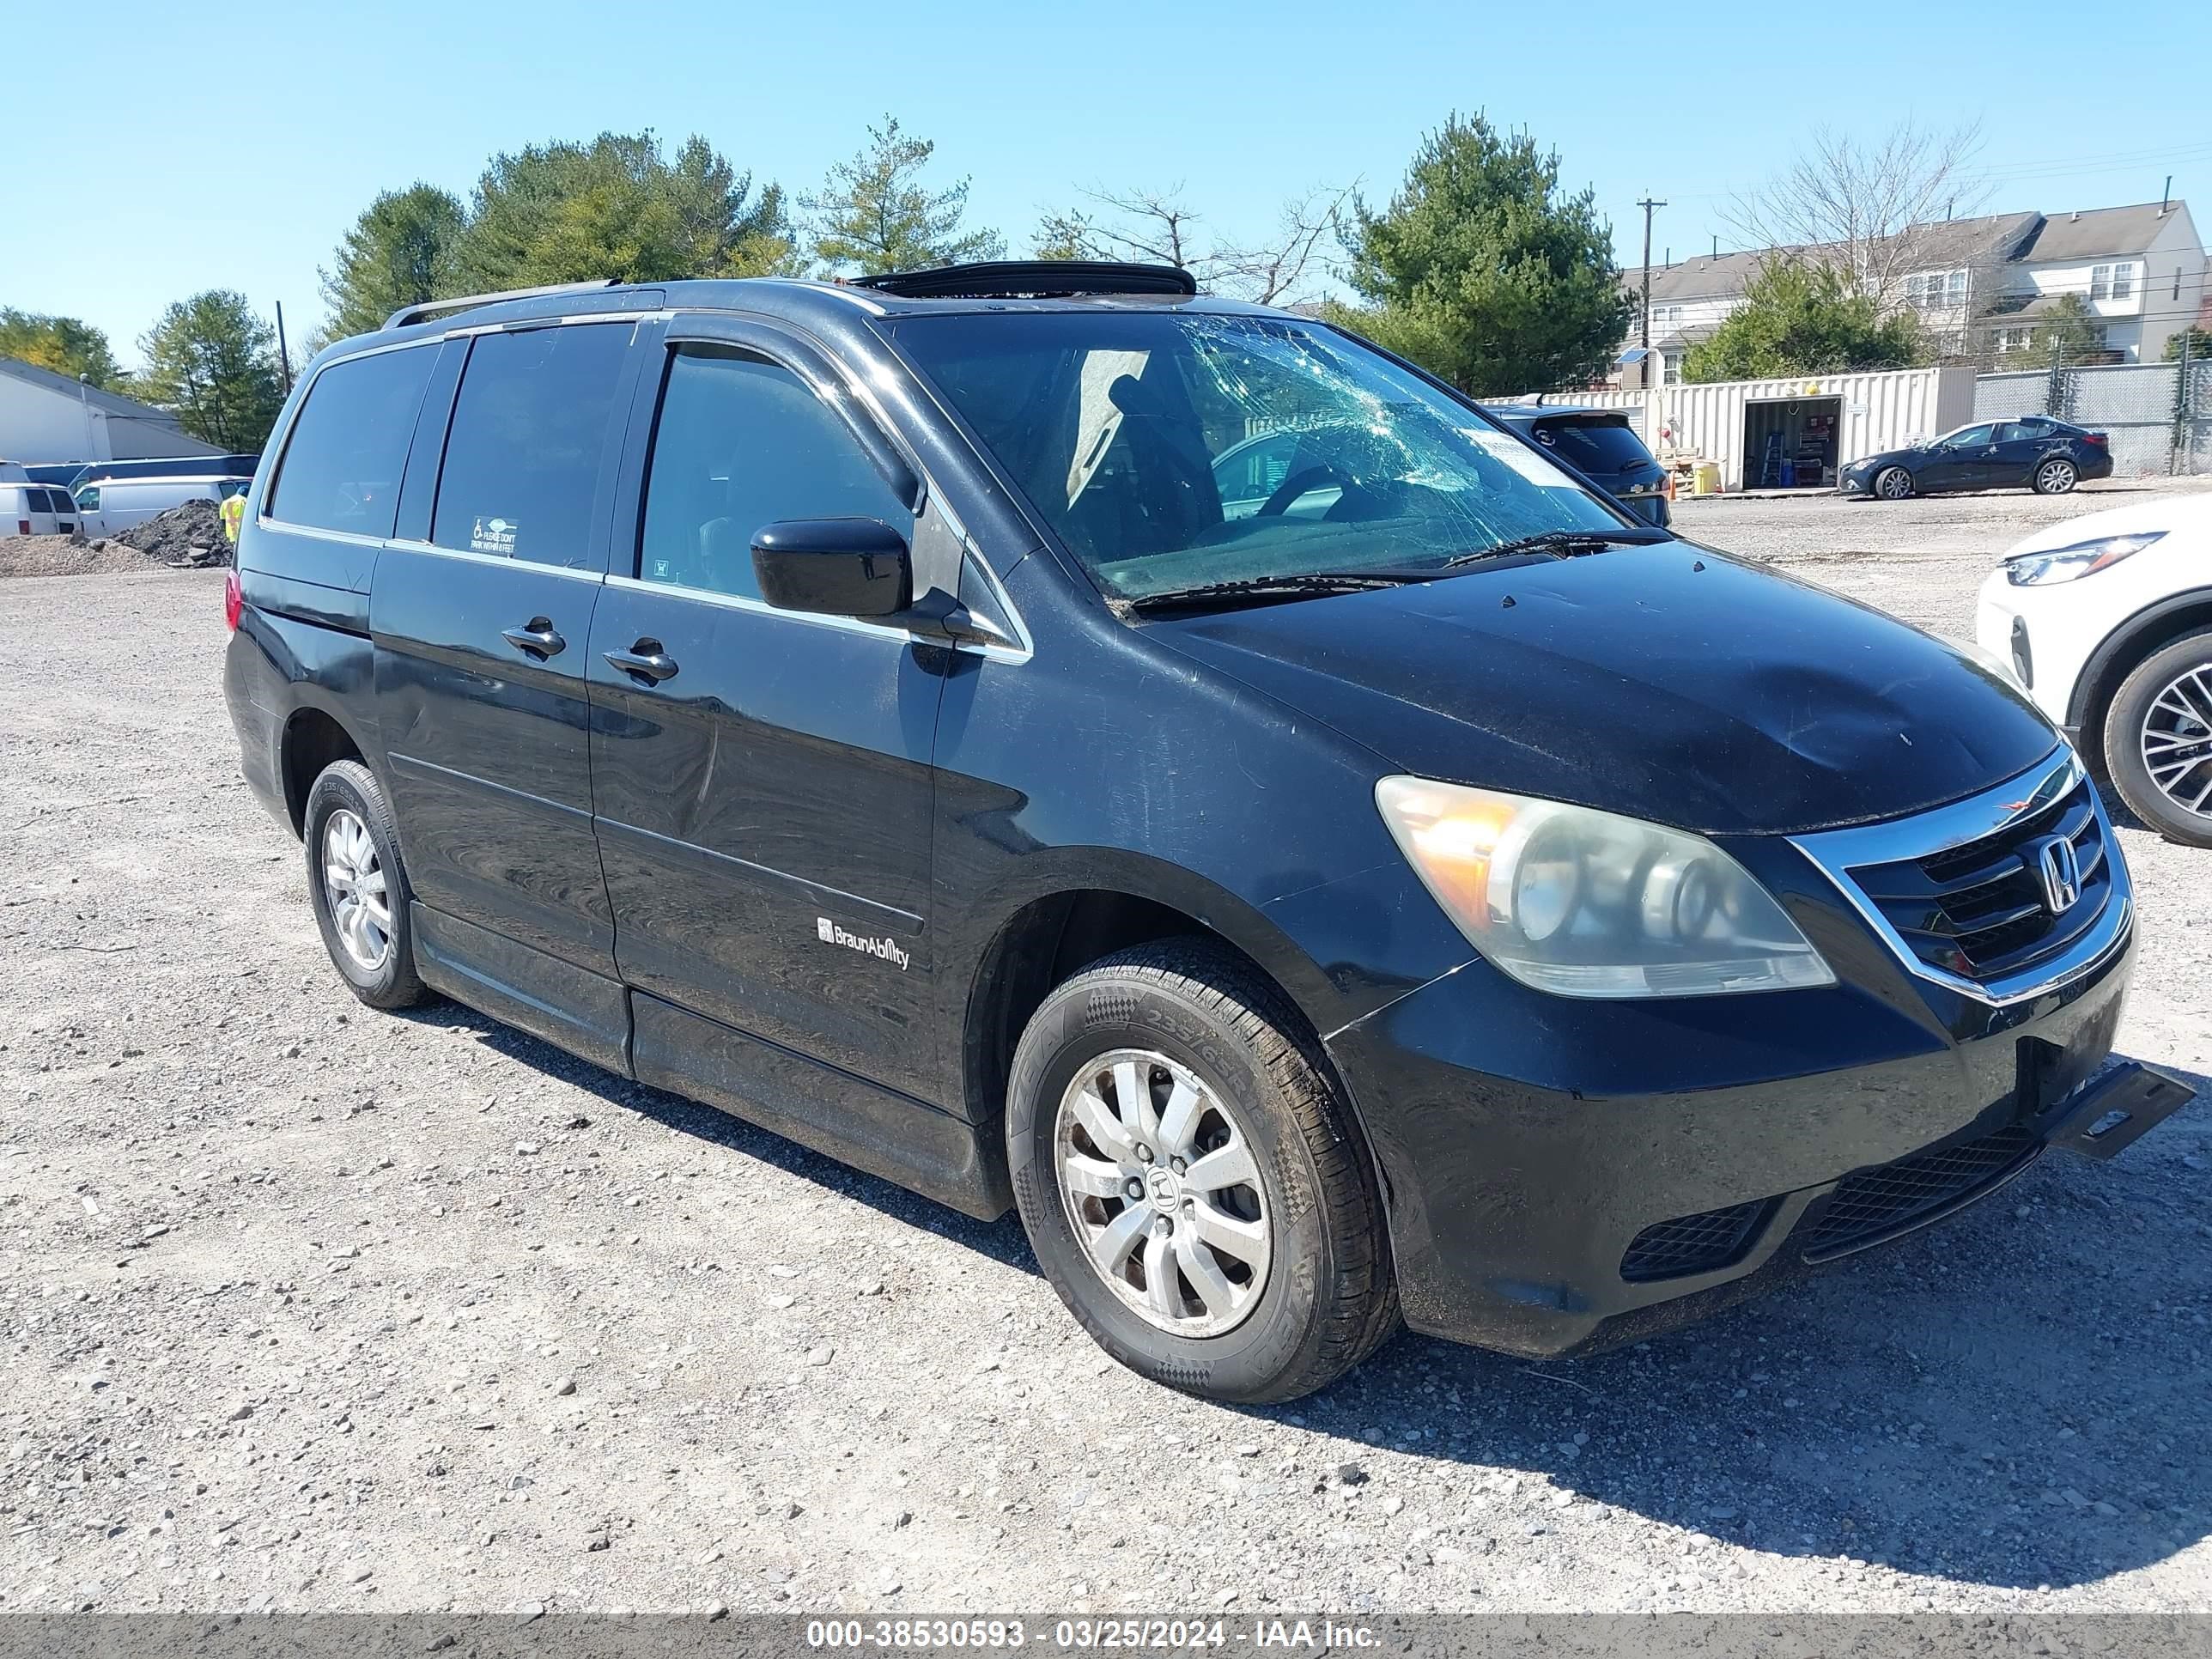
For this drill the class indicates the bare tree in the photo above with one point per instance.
(1876, 209)
(1156, 227)
(1274, 272)
(1151, 225)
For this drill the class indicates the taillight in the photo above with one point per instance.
(23, 526)
(234, 599)
(2094, 438)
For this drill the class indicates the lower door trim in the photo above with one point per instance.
(846, 1117)
(570, 1007)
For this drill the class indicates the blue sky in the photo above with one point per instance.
(231, 147)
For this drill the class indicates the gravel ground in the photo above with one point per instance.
(66, 556)
(313, 1307)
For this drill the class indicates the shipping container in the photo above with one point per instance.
(1750, 427)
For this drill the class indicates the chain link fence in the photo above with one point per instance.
(2158, 415)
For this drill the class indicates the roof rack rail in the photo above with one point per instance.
(407, 314)
(1008, 279)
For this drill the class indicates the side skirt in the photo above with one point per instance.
(880, 1130)
(570, 1007)
(849, 1118)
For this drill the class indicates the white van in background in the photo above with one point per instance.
(30, 510)
(117, 503)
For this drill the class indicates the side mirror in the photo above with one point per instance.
(834, 567)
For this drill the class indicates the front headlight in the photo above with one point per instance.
(2064, 564)
(1590, 904)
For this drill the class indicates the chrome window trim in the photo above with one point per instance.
(1838, 851)
(819, 619)
(580, 573)
(348, 537)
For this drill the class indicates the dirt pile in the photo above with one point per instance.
(67, 555)
(189, 534)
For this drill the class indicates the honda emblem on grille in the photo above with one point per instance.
(2060, 872)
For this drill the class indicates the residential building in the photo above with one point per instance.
(45, 417)
(1981, 286)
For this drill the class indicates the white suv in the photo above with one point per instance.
(2107, 620)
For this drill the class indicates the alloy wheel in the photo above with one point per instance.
(1161, 1188)
(2177, 741)
(2057, 477)
(1895, 484)
(353, 884)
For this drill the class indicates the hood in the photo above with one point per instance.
(2188, 516)
(1668, 682)
(1883, 457)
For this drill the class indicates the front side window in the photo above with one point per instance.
(87, 499)
(741, 443)
(529, 432)
(1173, 450)
(341, 463)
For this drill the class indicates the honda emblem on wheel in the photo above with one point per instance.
(2060, 871)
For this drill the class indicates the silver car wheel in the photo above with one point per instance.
(2055, 477)
(353, 884)
(1895, 484)
(2177, 741)
(1159, 1185)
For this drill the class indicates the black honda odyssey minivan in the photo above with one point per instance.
(1358, 877)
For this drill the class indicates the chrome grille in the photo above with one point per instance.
(1979, 910)
(1965, 893)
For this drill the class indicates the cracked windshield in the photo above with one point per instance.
(1173, 452)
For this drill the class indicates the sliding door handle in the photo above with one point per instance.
(538, 639)
(645, 662)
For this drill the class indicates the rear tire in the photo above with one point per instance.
(1265, 1284)
(2054, 477)
(1893, 483)
(2158, 740)
(359, 887)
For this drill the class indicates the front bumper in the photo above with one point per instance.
(1554, 1168)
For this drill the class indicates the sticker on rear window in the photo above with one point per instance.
(494, 536)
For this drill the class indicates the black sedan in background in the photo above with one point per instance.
(2033, 452)
(1601, 446)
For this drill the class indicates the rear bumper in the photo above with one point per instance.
(1538, 1151)
(255, 693)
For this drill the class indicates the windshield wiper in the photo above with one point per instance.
(1564, 543)
(1305, 585)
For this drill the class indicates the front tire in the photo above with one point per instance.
(1893, 483)
(2054, 477)
(1192, 1180)
(2158, 740)
(359, 887)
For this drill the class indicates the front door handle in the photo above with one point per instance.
(538, 639)
(645, 662)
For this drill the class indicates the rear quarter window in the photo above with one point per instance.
(348, 447)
